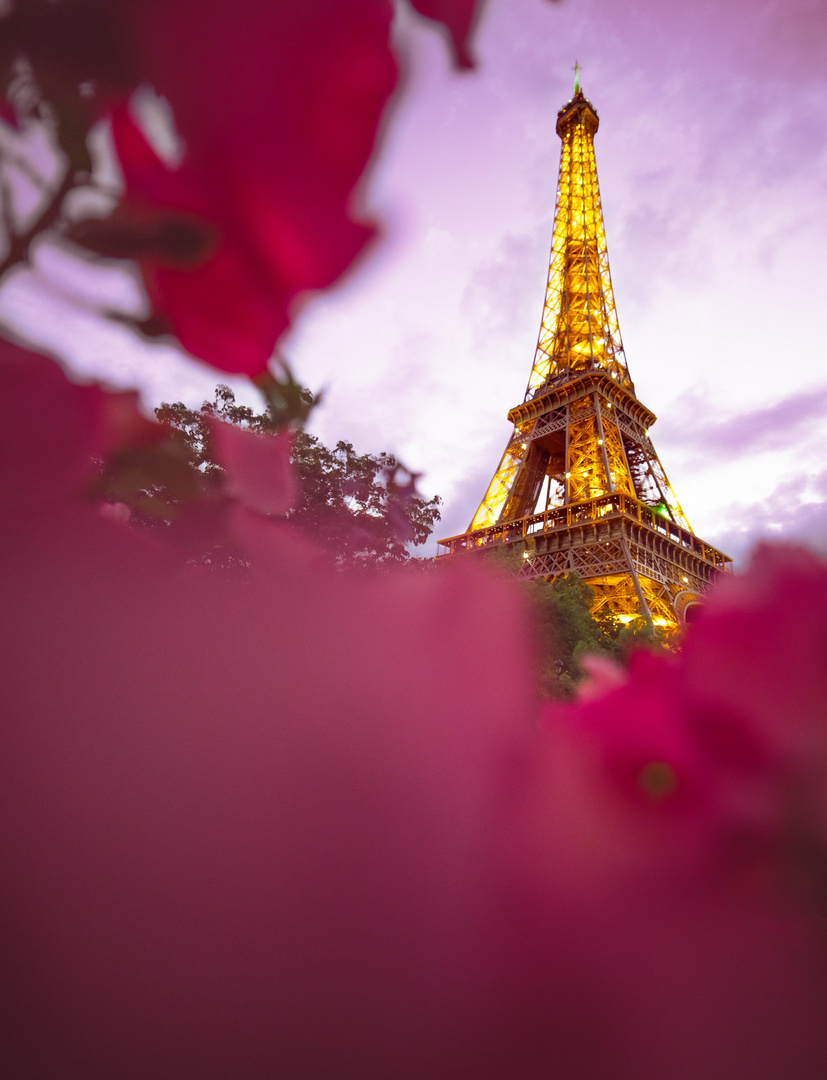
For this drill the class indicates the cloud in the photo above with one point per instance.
(790, 36)
(774, 427)
(506, 289)
(795, 511)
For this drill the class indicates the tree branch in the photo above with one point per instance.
(19, 245)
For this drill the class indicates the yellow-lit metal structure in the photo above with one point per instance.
(580, 487)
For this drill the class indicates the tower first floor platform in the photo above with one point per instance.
(639, 562)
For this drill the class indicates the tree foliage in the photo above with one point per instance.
(361, 508)
(567, 629)
(570, 630)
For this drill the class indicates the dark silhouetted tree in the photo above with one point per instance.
(362, 508)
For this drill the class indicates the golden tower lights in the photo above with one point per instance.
(580, 487)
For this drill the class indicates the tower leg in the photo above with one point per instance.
(644, 607)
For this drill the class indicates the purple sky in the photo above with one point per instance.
(712, 158)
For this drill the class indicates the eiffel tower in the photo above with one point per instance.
(580, 487)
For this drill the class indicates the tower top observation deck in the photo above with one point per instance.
(577, 111)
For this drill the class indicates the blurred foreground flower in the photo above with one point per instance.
(276, 107)
(303, 824)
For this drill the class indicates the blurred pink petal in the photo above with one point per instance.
(115, 511)
(762, 652)
(257, 467)
(279, 106)
(602, 675)
(677, 865)
(458, 16)
(248, 831)
(53, 429)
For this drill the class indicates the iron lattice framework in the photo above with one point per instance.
(580, 487)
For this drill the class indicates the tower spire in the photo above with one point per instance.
(576, 70)
(580, 486)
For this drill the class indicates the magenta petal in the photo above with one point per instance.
(257, 467)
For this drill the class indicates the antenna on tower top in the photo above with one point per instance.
(576, 70)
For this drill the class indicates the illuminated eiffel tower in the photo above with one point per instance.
(580, 487)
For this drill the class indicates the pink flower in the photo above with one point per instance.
(53, 430)
(678, 861)
(279, 106)
(248, 826)
(301, 824)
